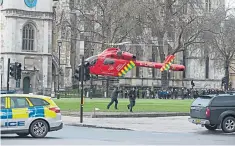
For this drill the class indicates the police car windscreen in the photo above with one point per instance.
(202, 101)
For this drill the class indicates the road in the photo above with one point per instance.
(70, 135)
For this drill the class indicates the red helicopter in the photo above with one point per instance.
(115, 62)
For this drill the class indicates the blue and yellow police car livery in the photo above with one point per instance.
(26, 114)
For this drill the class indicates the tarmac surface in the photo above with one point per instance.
(89, 136)
(142, 131)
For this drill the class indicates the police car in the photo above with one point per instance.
(25, 114)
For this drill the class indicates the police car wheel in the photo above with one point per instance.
(39, 129)
(22, 134)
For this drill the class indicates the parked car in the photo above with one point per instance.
(25, 114)
(214, 112)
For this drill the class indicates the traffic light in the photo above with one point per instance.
(86, 73)
(18, 70)
(12, 70)
(167, 63)
(77, 74)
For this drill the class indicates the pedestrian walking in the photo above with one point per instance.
(132, 98)
(114, 97)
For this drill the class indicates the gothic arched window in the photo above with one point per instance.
(28, 37)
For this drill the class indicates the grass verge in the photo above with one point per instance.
(142, 105)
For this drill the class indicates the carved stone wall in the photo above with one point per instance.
(36, 63)
(62, 32)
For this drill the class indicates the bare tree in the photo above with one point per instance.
(100, 23)
(181, 23)
(97, 22)
(222, 42)
(107, 21)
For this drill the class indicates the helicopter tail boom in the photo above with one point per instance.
(174, 67)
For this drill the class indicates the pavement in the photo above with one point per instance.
(71, 135)
(160, 124)
(98, 114)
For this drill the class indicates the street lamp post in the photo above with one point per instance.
(82, 79)
(82, 89)
(58, 79)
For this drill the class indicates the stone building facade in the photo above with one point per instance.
(62, 57)
(26, 37)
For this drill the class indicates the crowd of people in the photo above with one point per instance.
(183, 93)
(171, 93)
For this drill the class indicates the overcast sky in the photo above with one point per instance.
(230, 3)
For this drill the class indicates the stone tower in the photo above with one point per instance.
(26, 37)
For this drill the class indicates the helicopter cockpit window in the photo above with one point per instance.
(108, 61)
(92, 60)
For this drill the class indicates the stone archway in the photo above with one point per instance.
(26, 85)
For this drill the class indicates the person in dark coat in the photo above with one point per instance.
(114, 97)
(132, 98)
(126, 94)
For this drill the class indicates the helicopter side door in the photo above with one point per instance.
(113, 66)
